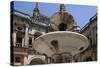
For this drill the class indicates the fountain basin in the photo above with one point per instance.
(60, 42)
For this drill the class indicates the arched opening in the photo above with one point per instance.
(36, 61)
(37, 34)
(62, 27)
(88, 59)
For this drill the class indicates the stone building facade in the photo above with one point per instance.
(90, 31)
(25, 29)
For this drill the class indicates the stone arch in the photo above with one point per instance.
(62, 27)
(36, 61)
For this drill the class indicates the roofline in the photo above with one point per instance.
(21, 12)
(90, 21)
(26, 15)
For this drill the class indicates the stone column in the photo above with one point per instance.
(26, 35)
(14, 38)
(32, 40)
(23, 42)
(25, 60)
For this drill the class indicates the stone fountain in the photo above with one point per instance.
(63, 39)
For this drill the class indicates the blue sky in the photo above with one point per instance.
(81, 13)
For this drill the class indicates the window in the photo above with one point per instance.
(19, 39)
(19, 42)
(30, 42)
(17, 59)
(62, 27)
(20, 28)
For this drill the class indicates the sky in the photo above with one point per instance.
(81, 13)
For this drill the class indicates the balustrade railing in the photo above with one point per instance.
(19, 45)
